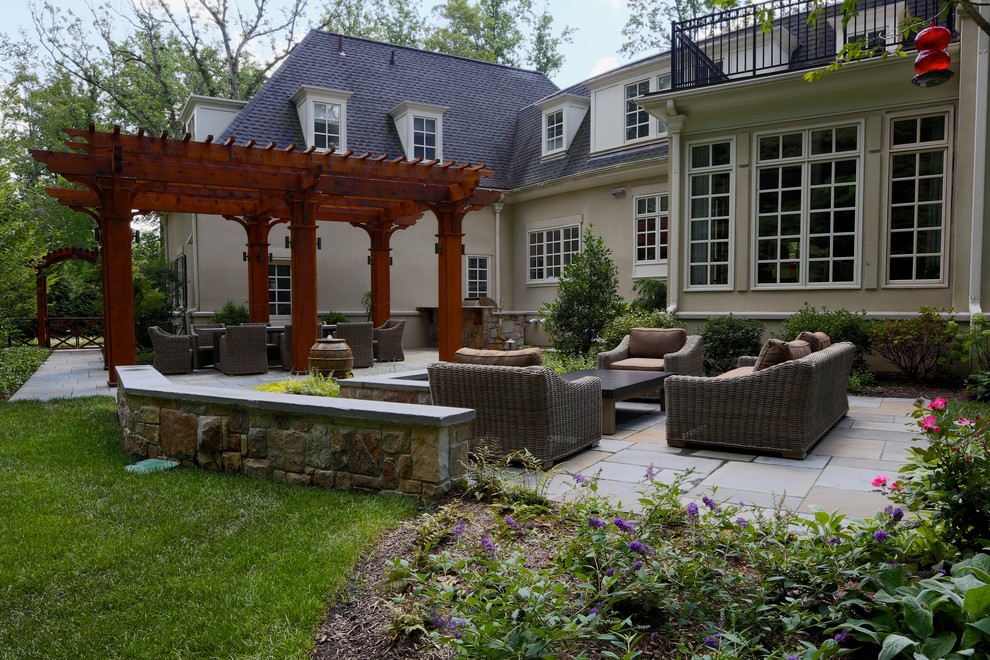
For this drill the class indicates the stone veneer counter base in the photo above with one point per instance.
(331, 443)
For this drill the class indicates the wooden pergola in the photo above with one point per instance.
(124, 175)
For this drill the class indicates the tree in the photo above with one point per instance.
(392, 21)
(648, 25)
(505, 32)
(587, 298)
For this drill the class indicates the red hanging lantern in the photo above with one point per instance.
(932, 63)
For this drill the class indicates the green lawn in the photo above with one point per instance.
(99, 562)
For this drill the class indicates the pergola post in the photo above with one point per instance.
(450, 219)
(302, 229)
(41, 294)
(118, 276)
(257, 229)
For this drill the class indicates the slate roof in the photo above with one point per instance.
(482, 99)
(491, 116)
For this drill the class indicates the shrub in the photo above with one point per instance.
(332, 318)
(587, 297)
(839, 325)
(973, 347)
(563, 363)
(619, 327)
(231, 314)
(650, 295)
(17, 364)
(725, 338)
(915, 345)
(950, 478)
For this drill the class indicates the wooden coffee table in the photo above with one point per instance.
(619, 385)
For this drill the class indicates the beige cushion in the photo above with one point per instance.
(738, 371)
(655, 342)
(524, 357)
(775, 351)
(817, 340)
(638, 364)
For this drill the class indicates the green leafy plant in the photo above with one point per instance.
(915, 345)
(17, 363)
(367, 302)
(650, 295)
(619, 327)
(838, 324)
(949, 479)
(973, 348)
(725, 338)
(334, 318)
(563, 362)
(587, 297)
(314, 384)
(231, 314)
(943, 616)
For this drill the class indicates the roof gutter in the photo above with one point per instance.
(979, 165)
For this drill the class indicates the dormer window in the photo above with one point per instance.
(420, 129)
(322, 116)
(554, 123)
(561, 117)
(326, 125)
(425, 138)
(637, 119)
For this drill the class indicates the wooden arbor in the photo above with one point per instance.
(54, 257)
(123, 175)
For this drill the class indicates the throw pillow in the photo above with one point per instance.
(774, 351)
(655, 342)
(797, 349)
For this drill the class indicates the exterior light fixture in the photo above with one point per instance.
(932, 63)
(618, 193)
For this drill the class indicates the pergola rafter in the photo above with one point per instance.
(259, 187)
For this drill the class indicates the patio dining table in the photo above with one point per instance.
(273, 332)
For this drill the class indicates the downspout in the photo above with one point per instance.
(675, 126)
(497, 270)
(979, 165)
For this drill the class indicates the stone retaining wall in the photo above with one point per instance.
(329, 443)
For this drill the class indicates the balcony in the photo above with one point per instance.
(775, 37)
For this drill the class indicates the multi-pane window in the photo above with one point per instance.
(552, 249)
(663, 82)
(651, 228)
(424, 138)
(919, 156)
(477, 277)
(637, 119)
(709, 193)
(326, 125)
(807, 208)
(181, 299)
(555, 131)
(279, 290)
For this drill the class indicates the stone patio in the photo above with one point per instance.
(836, 475)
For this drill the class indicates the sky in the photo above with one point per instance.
(594, 49)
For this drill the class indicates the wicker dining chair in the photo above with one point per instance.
(173, 353)
(203, 344)
(360, 337)
(243, 350)
(388, 341)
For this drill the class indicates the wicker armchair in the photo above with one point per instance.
(243, 350)
(688, 360)
(173, 353)
(785, 408)
(203, 344)
(285, 347)
(360, 337)
(388, 341)
(520, 408)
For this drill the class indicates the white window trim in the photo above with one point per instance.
(467, 279)
(276, 303)
(404, 114)
(946, 202)
(686, 228)
(573, 109)
(659, 214)
(563, 132)
(304, 99)
(651, 125)
(547, 225)
(803, 284)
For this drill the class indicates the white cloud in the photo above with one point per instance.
(603, 65)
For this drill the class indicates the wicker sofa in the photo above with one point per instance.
(520, 408)
(785, 408)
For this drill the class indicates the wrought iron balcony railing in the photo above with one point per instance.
(778, 36)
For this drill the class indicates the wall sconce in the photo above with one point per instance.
(618, 193)
(243, 256)
(137, 236)
(319, 243)
(288, 243)
(436, 248)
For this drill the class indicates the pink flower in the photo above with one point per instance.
(938, 404)
(879, 481)
(928, 423)
(962, 421)
(895, 486)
